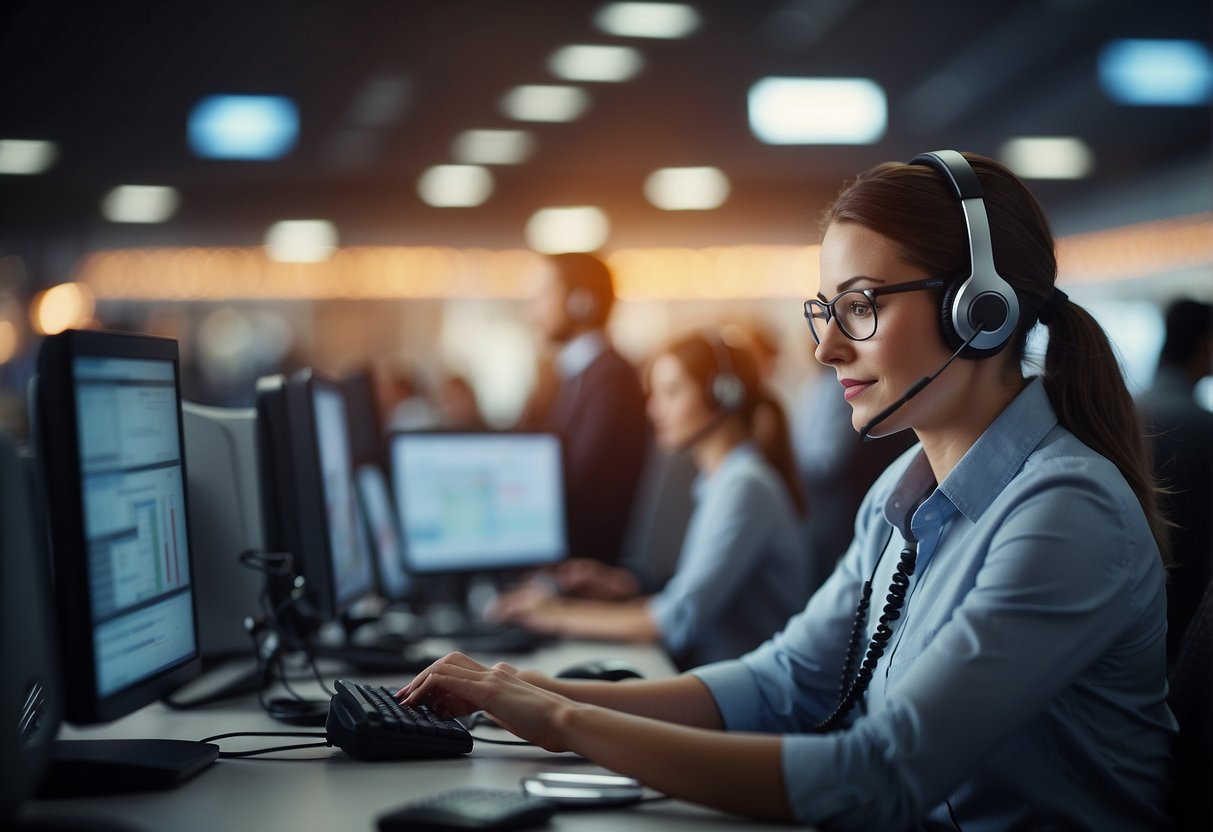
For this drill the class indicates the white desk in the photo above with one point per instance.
(323, 789)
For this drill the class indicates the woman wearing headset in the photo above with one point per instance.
(1012, 674)
(740, 573)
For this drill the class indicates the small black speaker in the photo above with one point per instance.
(30, 704)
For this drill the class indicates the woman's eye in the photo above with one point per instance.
(859, 309)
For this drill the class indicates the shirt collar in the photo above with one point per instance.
(736, 456)
(580, 353)
(985, 469)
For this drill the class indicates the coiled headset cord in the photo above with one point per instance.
(853, 685)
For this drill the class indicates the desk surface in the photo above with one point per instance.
(325, 789)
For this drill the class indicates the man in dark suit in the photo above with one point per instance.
(598, 405)
(1181, 439)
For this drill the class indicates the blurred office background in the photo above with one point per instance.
(331, 182)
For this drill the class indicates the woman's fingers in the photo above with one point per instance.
(451, 659)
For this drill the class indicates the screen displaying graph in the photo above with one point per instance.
(134, 516)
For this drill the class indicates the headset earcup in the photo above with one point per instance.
(946, 326)
(727, 391)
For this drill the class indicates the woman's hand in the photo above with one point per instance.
(458, 685)
(589, 578)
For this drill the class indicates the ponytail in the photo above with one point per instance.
(1088, 393)
(767, 423)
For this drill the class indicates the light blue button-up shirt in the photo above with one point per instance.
(740, 573)
(1025, 682)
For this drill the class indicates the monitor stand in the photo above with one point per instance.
(83, 768)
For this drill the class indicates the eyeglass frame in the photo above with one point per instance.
(827, 306)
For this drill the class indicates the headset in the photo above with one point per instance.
(726, 390)
(979, 311)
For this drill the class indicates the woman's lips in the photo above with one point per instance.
(852, 388)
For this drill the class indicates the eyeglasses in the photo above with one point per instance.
(855, 309)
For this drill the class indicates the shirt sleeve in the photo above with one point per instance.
(791, 682)
(728, 534)
(1063, 577)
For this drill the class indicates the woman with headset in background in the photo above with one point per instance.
(1012, 676)
(740, 573)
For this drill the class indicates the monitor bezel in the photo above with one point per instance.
(59, 450)
(491, 433)
(316, 557)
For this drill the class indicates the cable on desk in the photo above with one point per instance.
(236, 754)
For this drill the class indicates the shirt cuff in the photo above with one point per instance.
(736, 692)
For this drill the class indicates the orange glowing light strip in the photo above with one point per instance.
(716, 273)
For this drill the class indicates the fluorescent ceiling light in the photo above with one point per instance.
(595, 63)
(687, 189)
(140, 203)
(257, 127)
(492, 147)
(1157, 72)
(550, 103)
(648, 20)
(818, 111)
(1048, 157)
(25, 157)
(567, 228)
(301, 241)
(455, 186)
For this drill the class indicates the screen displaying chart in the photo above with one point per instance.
(134, 511)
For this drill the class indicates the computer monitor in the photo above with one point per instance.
(29, 694)
(479, 501)
(383, 530)
(309, 502)
(366, 425)
(224, 498)
(109, 438)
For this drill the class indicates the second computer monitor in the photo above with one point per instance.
(479, 501)
(308, 496)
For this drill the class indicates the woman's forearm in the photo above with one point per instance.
(740, 773)
(683, 700)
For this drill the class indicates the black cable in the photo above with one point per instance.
(255, 752)
(894, 601)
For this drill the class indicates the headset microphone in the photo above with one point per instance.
(917, 387)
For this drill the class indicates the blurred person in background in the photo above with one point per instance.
(1181, 438)
(739, 572)
(597, 404)
(402, 396)
(456, 401)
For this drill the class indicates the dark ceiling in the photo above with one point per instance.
(113, 82)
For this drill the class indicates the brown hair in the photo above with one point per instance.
(912, 207)
(580, 271)
(701, 355)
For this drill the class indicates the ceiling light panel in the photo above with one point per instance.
(492, 147)
(687, 189)
(455, 186)
(251, 127)
(818, 111)
(301, 241)
(140, 203)
(546, 103)
(1175, 73)
(567, 228)
(595, 63)
(1048, 157)
(26, 157)
(648, 20)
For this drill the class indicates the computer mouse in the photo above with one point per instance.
(603, 670)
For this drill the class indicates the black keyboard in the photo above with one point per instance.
(366, 722)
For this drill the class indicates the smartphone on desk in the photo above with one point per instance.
(570, 789)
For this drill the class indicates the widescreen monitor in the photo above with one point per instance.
(479, 501)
